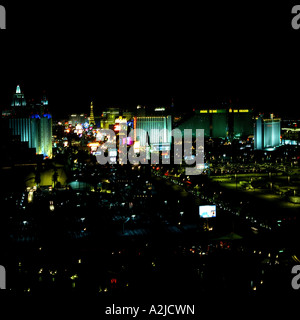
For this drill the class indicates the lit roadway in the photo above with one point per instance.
(231, 181)
(228, 181)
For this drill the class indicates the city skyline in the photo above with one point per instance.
(182, 101)
(150, 150)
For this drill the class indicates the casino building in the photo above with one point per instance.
(267, 133)
(156, 132)
(33, 123)
(221, 123)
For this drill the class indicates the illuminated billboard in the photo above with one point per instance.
(207, 211)
(136, 147)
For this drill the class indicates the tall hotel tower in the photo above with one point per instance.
(267, 133)
(32, 123)
(156, 132)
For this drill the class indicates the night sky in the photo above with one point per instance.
(130, 54)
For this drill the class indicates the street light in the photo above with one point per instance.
(235, 182)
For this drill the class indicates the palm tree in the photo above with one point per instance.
(54, 177)
(37, 177)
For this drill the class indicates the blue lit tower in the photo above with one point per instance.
(18, 98)
(258, 134)
(20, 124)
(267, 133)
(32, 127)
(41, 126)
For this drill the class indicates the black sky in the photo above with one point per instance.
(149, 53)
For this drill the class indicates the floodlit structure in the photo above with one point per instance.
(75, 119)
(18, 98)
(221, 123)
(42, 134)
(35, 128)
(198, 121)
(92, 117)
(267, 133)
(156, 132)
(241, 122)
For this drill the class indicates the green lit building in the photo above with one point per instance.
(197, 122)
(221, 123)
(242, 122)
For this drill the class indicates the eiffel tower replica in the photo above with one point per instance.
(92, 118)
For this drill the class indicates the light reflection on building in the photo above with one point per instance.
(33, 124)
(156, 132)
(267, 133)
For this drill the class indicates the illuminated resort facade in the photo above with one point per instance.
(32, 125)
(221, 123)
(267, 133)
(241, 122)
(156, 132)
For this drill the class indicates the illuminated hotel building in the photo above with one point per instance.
(267, 133)
(111, 114)
(152, 133)
(18, 98)
(32, 127)
(43, 134)
(213, 121)
(241, 122)
(221, 123)
(22, 127)
(75, 119)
